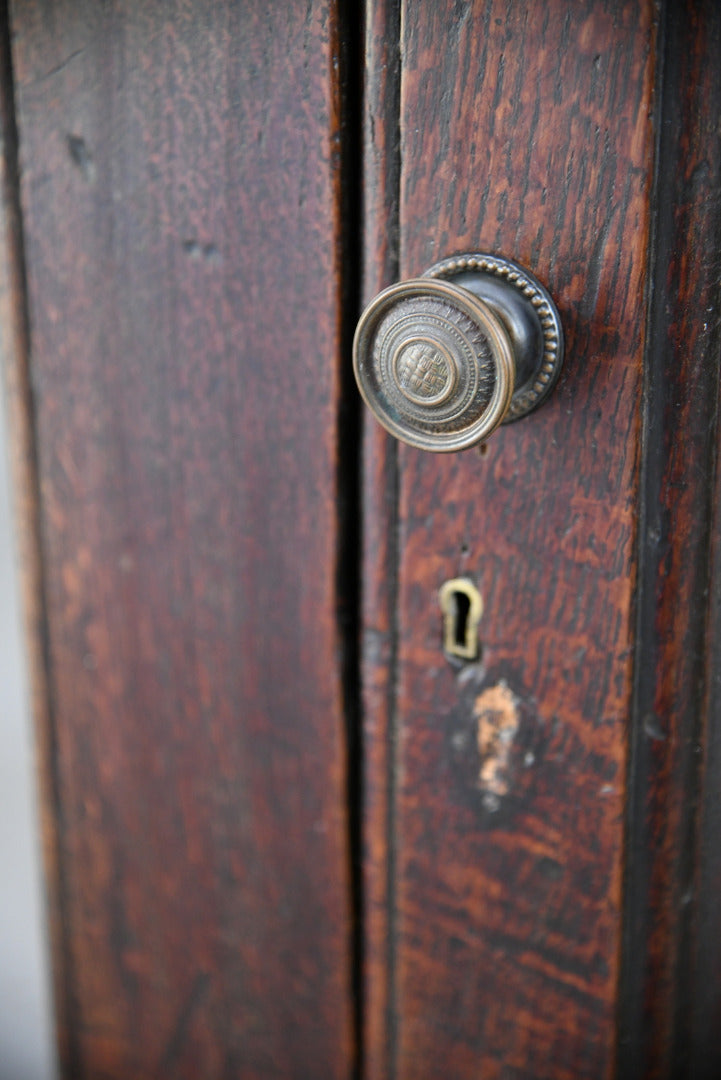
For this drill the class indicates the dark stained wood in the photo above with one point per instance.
(694, 320)
(704, 982)
(526, 131)
(180, 189)
(670, 1017)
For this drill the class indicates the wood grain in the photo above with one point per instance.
(694, 346)
(180, 190)
(527, 132)
(661, 1000)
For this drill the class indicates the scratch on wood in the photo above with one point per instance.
(496, 715)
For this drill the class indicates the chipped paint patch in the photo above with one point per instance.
(497, 720)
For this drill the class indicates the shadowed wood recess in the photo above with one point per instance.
(526, 131)
(180, 188)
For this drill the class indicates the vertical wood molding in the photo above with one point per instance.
(661, 1000)
(381, 178)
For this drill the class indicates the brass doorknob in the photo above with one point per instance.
(443, 359)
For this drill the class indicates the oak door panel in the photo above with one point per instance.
(525, 131)
(180, 190)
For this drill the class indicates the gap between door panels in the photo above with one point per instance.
(350, 508)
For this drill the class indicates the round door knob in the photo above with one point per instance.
(443, 359)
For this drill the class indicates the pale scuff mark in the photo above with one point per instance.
(496, 715)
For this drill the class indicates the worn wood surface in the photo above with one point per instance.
(180, 191)
(525, 131)
(669, 1015)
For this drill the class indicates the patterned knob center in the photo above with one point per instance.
(434, 364)
(424, 373)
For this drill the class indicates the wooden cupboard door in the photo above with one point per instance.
(181, 256)
(540, 864)
(173, 208)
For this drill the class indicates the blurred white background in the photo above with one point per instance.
(26, 1044)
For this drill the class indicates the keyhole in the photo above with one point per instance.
(462, 608)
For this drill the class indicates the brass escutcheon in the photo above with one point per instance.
(462, 608)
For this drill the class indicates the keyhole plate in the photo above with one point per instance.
(526, 309)
(462, 608)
